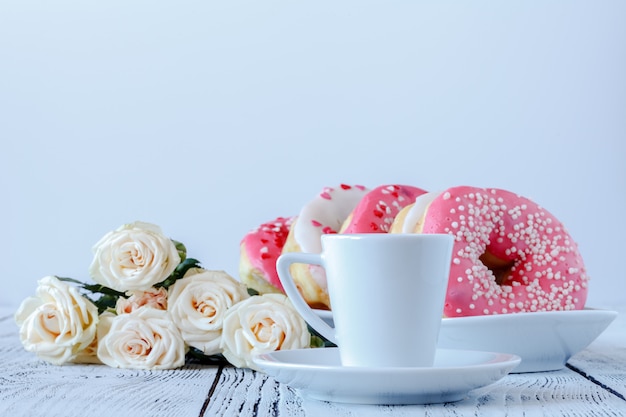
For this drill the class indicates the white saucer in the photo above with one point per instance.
(544, 340)
(318, 374)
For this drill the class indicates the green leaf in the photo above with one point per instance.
(107, 296)
(252, 292)
(93, 288)
(197, 356)
(106, 302)
(317, 340)
(72, 280)
(101, 289)
(179, 272)
(182, 250)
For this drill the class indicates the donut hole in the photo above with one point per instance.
(501, 268)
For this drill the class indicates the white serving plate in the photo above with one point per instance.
(544, 340)
(318, 374)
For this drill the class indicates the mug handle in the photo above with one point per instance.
(282, 267)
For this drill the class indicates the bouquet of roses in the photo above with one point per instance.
(151, 307)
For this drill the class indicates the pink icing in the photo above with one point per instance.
(378, 208)
(546, 270)
(265, 244)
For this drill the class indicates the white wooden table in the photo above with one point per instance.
(593, 384)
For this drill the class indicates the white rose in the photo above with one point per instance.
(262, 324)
(89, 355)
(143, 339)
(153, 297)
(134, 257)
(198, 304)
(58, 323)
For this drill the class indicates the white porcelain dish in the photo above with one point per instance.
(544, 340)
(318, 374)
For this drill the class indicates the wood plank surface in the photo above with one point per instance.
(604, 361)
(559, 393)
(30, 387)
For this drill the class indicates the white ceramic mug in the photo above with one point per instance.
(386, 291)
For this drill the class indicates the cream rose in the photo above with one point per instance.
(198, 304)
(262, 324)
(146, 338)
(89, 355)
(134, 257)
(58, 323)
(153, 297)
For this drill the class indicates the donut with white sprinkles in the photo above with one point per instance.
(510, 255)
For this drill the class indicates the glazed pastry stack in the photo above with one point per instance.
(510, 255)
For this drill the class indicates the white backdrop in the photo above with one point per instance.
(208, 118)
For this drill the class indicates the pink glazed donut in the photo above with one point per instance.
(259, 250)
(510, 255)
(378, 208)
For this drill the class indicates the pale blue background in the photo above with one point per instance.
(209, 118)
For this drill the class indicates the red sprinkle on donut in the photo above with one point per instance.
(378, 208)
